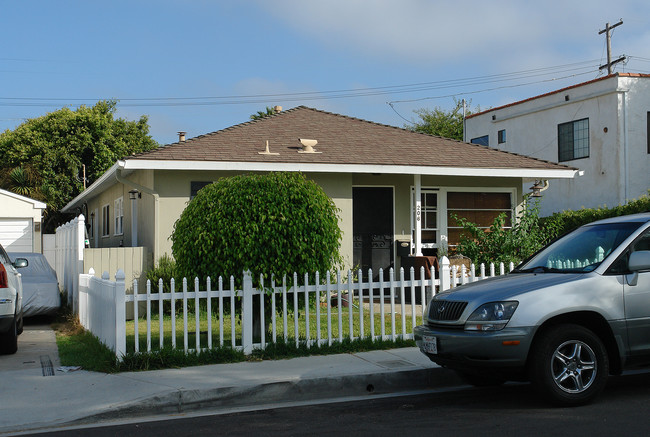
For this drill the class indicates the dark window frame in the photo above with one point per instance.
(501, 136)
(483, 140)
(195, 187)
(568, 149)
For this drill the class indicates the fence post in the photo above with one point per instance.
(247, 313)
(445, 274)
(120, 314)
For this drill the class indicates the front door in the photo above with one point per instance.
(372, 228)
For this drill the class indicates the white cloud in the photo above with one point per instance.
(438, 32)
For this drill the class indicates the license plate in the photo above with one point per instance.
(429, 344)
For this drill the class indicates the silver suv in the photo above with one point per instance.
(574, 313)
(11, 302)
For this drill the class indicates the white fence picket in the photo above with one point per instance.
(102, 314)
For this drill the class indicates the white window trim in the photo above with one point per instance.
(118, 216)
(106, 220)
(443, 227)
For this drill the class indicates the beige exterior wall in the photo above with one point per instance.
(173, 189)
(18, 207)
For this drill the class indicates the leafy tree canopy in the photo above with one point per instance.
(43, 158)
(275, 223)
(440, 122)
(261, 114)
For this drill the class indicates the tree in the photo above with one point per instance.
(262, 114)
(275, 223)
(44, 156)
(442, 123)
(270, 224)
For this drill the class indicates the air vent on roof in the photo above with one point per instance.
(267, 151)
(181, 136)
(307, 146)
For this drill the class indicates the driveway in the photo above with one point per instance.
(36, 350)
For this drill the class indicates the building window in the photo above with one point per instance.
(478, 207)
(648, 132)
(483, 141)
(501, 136)
(573, 140)
(119, 216)
(106, 221)
(195, 187)
(429, 216)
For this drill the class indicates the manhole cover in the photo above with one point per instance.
(46, 366)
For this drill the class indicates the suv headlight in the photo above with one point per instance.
(492, 316)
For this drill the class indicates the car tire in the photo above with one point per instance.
(21, 324)
(569, 365)
(9, 340)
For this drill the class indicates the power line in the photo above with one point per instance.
(321, 95)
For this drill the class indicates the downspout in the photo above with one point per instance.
(156, 202)
(625, 149)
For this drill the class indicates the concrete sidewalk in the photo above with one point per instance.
(31, 400)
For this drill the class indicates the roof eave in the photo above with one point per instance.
(107, 179)
(530, 173)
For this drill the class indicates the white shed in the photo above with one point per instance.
(20, 222)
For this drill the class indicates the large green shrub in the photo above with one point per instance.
(532, 232)
(504, 245)
(566, 221)
(275, 223)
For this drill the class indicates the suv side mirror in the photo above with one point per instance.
(20, 262)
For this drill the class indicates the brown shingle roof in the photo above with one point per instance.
(341, 140)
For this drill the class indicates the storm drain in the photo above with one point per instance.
(46, 366)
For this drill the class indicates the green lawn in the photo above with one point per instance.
(279, 329)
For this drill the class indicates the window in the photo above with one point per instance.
(106, 221)
(119, 216)
(195, 187)
(477, 207)
(573, 140)
(429, 216)
(501, 136)
(647, 132)
(483, 141)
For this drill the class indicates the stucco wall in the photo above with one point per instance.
(532, 129)
(18, 208)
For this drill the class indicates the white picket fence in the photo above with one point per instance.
(69, 252)
(389, 306)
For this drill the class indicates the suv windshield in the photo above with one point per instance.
(580, 251)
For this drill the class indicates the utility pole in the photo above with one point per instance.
(608, 35)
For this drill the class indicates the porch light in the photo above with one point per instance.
(134, 194)
(538, 187)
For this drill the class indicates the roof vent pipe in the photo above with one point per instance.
(181, 136)
(307, 146)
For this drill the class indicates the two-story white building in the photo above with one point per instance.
(601, 127)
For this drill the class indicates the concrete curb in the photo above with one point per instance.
(278, 392)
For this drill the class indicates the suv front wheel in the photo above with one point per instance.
(569, 365)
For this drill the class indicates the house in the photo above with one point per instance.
(600, 126)
(395, 188)
(20, 222)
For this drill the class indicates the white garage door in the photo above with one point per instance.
(16, 235)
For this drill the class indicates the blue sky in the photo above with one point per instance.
(201, 65)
